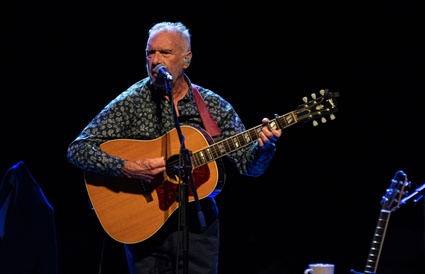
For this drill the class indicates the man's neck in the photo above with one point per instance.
(180, 88)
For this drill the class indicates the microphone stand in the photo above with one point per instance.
(186, 176)
(419, 192)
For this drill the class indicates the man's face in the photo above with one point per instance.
(165, 48)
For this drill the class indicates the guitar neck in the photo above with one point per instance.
(377, 243)
(240, 140)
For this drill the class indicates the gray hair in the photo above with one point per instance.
(177, 27)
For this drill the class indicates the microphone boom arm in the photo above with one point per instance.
(419, 192)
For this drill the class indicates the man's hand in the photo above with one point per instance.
(146, 170)
(267, 135)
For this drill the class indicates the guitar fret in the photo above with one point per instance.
(209, 154)
(202, 156)
(220, 148)
(235, 142)
(256, 132)
(247, 138)
(195, 160)
(288, 119)
(216, 152)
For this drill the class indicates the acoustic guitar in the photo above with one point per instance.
(390, 202)
(131, 211)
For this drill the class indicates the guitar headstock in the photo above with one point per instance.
(398, 189)
(318, 107)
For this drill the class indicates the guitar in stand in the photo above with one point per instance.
(390, 202)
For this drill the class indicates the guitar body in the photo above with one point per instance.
(131, 211)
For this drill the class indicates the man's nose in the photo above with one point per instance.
(157, 58)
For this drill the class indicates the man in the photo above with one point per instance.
(144, 112)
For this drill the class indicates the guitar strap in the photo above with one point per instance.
(209, 123)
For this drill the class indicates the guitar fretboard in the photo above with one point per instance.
(238, 141)
(378, 239)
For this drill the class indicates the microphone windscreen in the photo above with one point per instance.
(159, 78)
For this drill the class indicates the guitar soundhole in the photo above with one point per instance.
(173, 167)
(200, 174)
(168, 190)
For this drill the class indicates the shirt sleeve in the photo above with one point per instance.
(109, 124)
(251, 160)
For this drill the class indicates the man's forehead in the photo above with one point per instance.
(163, 40)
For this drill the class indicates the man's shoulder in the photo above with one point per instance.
(205, 92)
(140, 85)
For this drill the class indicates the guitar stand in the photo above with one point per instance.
(186, 176)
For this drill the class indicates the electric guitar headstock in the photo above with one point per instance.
(398, 189)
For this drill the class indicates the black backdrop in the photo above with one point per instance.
(320, 199)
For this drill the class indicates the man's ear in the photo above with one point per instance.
(187, 59)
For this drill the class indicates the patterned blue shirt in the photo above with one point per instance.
(142, 113)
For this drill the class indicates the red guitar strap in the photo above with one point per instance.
(209, 123)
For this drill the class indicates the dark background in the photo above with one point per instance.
(320, 199)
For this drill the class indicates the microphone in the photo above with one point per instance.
(161, 74)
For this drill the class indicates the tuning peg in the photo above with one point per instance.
(315, 123)
(305, 100)
(323, 120)
(322, 92)
(332, 117)
(313, 95)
